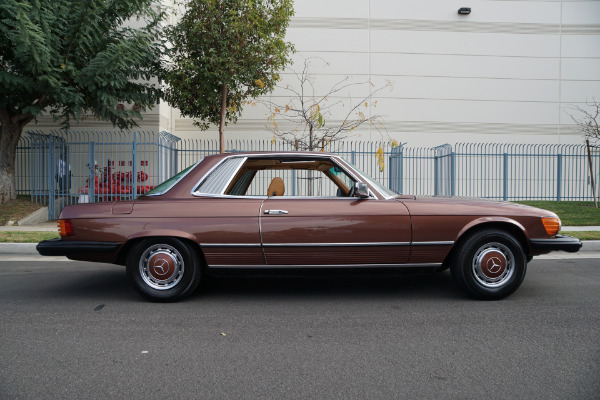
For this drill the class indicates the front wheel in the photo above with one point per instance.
(163, 269)
(489, 265)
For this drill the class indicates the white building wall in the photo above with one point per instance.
(511, 71)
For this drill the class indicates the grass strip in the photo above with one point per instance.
(571, 213)
(26, 237)
(584, 235)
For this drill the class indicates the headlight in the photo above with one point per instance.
(552, 225)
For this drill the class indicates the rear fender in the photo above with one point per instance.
(162, 233)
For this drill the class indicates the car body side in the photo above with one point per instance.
(206, 218)
(226, 229)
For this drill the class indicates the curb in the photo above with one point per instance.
(29, 248)
(18, 248)
(36, 217)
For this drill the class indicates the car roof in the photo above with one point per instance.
(274, 154)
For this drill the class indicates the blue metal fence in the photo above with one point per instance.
(59, 168)
(524, 171)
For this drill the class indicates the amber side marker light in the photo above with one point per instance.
(65, 227)
(552, 225)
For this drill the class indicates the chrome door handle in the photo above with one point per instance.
(275, 212)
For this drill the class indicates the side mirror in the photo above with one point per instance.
(361, 190)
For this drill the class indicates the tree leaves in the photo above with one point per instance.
(237, 43)
(68, 58)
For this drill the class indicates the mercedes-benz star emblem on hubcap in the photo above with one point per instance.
(494, 264)
(161, 267)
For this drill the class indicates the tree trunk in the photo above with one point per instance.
(10, 133)
(222, 122)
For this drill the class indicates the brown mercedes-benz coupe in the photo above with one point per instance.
(302, 210)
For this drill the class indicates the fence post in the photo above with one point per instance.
(51, 179)
(390, 174)
(174, 168)
(505, 179)
(558, 176)
(435, 175)
(401, 184)
(452, 174)
(134, 180)
(91, 173)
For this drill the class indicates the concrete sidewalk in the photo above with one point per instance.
(50, 226)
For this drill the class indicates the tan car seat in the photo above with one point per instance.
(276, 187)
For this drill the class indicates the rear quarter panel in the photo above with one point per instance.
(201, 220)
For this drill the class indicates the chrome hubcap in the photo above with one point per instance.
(493, 265)
(161, 266)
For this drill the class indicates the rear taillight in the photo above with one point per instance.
(65, 227)
(552, 225)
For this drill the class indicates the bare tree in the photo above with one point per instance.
(306, 120)
(589, 125)
(589, 121)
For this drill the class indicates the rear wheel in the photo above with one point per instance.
(489, 265)
(163, 269)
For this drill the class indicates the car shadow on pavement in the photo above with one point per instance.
(111, 282)
(107, 283)
(339, 285)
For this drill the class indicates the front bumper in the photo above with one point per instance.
(558, 243)
(80, 250)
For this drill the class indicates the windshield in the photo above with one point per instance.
(169, 183)
(380, 188)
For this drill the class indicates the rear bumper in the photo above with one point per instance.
(558, 243)
(80, 250)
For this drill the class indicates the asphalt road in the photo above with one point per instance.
(71, 330)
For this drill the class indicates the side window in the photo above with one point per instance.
(300, 182)
(218, 180)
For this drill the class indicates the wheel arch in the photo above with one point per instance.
(505, 224)
(126, 248)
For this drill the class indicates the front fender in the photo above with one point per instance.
(487, 220)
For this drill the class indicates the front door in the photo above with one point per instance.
(334, 231)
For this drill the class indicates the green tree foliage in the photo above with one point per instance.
(67, 58)
(224, 52)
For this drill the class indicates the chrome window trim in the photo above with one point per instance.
(335, 158)
(313, 198)
(332, 266)
(177, 181)
(227, 196)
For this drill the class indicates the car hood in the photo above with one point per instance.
(470, 206)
